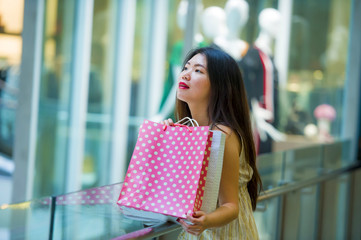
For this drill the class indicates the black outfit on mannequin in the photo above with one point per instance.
(254, 73)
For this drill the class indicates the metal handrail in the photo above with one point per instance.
(161, 230)
(289, 187)
(281, 190)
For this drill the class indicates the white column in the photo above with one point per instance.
(62, 115)
(282, 44)
(79, 93)
(352, 95)
(146, 25)
(190, 26)
(154, 46)
(351, 110)
(28, 101)
(125, 29)
(157, 56)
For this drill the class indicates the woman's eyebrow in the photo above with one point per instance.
(199, 65)
(196, 65)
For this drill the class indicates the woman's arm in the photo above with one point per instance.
(228, 191)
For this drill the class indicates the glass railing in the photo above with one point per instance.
(306, 195)
(310, 196)
(91, 214)
(26, 220)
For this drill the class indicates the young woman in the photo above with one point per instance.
(211, 91)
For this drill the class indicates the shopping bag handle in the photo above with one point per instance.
(177, 125)
(187, 120)
(183, 123)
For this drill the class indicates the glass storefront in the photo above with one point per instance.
(293, 55)
(309, 69)
(11, 25)
(317, 63)
(54, 99)
(57, 80)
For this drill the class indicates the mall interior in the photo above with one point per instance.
(79, 77)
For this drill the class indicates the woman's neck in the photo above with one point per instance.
(200, 114)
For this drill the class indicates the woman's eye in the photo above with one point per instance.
(197, 70)
(185, 68)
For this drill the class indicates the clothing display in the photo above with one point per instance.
(261, 82)
(244, 227)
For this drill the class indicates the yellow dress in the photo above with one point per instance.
(244, 227)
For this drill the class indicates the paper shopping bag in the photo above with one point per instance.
(167, 172)
(214, 172)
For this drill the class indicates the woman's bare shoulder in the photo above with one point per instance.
(225, 129)
(231, 136)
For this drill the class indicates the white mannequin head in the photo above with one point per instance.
(236, 15)
(213, 22)
(269, 21)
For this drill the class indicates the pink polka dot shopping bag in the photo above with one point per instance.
(169, 172)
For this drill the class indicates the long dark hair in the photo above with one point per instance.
(227, 106)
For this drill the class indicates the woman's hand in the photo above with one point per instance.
(228, 209)
(198, 223)
(168, 122)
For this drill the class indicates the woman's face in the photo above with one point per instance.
(193, 82)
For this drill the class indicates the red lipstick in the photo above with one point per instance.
(182, 85)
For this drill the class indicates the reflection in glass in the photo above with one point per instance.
(26, 220)
(309, 198)
(266, 217)
(11, 27)
(303, 164)
(52, 129)
(317, 65)
(271, 169)
(101, 80)
(334, 208)
(91, 214)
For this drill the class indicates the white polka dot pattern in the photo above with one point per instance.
(94, 196)
(168, 169)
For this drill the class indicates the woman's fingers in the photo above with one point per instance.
(196, 217)
(184, 225)
(189, 218)
(192, 225)
(168, 122)
(192, 229)
(198, 214)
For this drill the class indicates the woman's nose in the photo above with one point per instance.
(186, 76)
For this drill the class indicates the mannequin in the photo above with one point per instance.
(214, 23)
(236, 17)
(261, 80)
(269, 22)
(175, 61)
